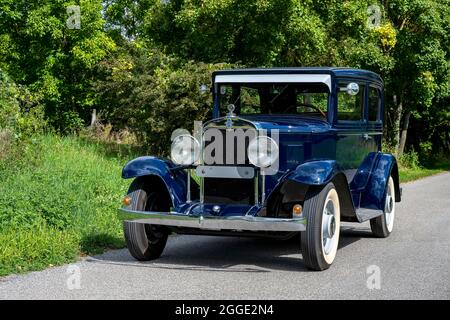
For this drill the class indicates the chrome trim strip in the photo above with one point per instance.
(247, 223)
(274, 78)
(188, 186)
(225, 172)
(212, 123)
(263, 189)
(257, 188)
(202, 190)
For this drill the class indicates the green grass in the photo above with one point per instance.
(58, 199)
(407, 175)
(418, 172)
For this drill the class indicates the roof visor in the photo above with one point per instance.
(274, 78)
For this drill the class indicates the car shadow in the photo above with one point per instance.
(228, 254)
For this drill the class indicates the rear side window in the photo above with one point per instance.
(374, 104)
(350, 107)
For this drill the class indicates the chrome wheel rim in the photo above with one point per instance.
(328, 227)
(331, 223)
(389, 205)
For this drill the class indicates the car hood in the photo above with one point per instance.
(283, 123)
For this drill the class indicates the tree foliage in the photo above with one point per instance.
(126, 57)
(419, 82)
(38, 49)
(409, 46)
(152, 93)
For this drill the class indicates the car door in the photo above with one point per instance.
(372, 130)
(351, 128)
(374, 118)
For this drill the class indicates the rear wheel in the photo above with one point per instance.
(145, 242)
(319, 242)
(383, 225)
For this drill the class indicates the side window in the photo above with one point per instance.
(250, 101)
(374, 104)
(350, 107)
(318, 100)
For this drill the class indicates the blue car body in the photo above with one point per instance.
(313, 151)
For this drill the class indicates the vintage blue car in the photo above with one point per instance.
(288, 151)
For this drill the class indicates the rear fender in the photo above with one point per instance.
(374, 194)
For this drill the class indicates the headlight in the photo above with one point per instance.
(263, 151)
(185, 150)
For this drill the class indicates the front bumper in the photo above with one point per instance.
(241, 223)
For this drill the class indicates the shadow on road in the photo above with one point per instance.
(225, 254)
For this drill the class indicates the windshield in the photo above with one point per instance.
(265, 98)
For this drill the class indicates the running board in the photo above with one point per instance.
(364, 214)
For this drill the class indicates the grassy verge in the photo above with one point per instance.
(407, 175)
(415, 172)
(58, 198)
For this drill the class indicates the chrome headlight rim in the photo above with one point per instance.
(185, 150)
(258, 154)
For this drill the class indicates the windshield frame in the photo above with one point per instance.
(217, 103)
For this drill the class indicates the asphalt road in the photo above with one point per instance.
(413, 263)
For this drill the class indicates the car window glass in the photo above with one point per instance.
(350, 107)
(374, 104)
(279, 98)
(250, 100)
(308, 102)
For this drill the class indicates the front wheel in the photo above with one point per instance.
(319, 242)
(145, 242)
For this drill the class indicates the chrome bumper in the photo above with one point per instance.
(241, 223)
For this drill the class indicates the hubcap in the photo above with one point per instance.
(389, 208)
(328, 226)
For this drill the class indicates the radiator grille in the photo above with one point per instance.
(238, 155)
(229, 191)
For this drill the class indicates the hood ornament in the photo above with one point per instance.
(231, 109)
(230, 115)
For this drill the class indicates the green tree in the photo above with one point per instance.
(420, 81)
(408, 47)
(252, 32)
(125, 17)
(152, 93)
(38, 48)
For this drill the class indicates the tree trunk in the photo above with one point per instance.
(397, 121)
(401, 146)
(93, 118)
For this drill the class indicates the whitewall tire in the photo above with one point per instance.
(383, 225)
(321, 239)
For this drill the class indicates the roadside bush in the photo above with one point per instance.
(173, 100)
(9, 106)
(21, 116)
(6, 139)
(60, 199)
(410, 160)
(151, 94)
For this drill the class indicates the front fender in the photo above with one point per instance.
(152, 166)
(315, 172)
